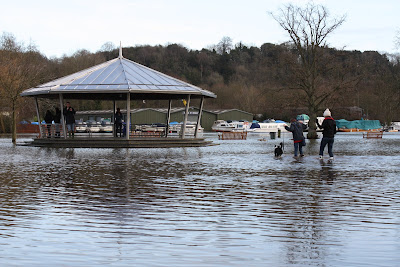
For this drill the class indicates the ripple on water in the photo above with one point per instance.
(230, 204)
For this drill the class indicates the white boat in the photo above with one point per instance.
(175, 129)
(222, 126)
(191, 128)
(394, 127)
(106, 127)
(93, 126)
(268, 126)
(80, 127)
(230, 126)
(156, 127)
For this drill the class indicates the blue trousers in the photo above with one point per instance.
(326, 141)
(298, 148)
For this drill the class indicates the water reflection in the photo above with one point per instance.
(230, 204)
(327, 172)
(307, 216)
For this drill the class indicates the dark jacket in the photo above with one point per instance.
(57, 116)
(118, 118)
(328, 126)
(48, 118)
(69, 115)
(297, 129)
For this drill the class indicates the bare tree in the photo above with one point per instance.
(308, 28)
(19, 69)
(225, 45)
(397, 39)
(108, 47)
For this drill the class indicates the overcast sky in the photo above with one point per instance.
(63, 27)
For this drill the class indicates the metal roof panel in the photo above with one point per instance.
(116, 75)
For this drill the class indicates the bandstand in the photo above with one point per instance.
(119, 79)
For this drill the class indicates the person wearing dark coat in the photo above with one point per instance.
(297, 128)
(328, 127)
(69, 114)
(118, 123)
(57, 121)
(48, 118)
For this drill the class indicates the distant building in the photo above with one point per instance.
(159, 115)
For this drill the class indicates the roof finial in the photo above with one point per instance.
(120, 50)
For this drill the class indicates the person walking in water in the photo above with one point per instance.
(328, 133)
(297, 128)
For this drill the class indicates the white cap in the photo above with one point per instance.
(327, 113)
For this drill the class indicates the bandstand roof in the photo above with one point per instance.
(112, 80)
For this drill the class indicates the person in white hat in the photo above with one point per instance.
(328, 133)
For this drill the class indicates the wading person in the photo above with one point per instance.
(118, 123)
(297, 128)
(328, 133)
(48, 118)
(69, 113)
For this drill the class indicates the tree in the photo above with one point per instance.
(108, 47)
(384, 75)
(19, 70)
(224, 46)
(308, 29)
(397, 39)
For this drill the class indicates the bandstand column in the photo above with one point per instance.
(183, 130)
(62, 115)
(168, 118)
(199, 117)
(113, 119)
(38, 117)
(128, 115)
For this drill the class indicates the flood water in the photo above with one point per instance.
(232, 204)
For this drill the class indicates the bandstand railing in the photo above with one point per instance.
(54, 130)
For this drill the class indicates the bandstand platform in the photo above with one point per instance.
(112, 142)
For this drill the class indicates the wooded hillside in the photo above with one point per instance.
(259, 80)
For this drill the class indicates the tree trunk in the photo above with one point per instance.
(3, 128)
(14, 123)
(312, 128)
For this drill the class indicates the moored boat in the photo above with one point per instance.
(230, 126)
(358, 125)
(175, 129)
(268, 126)
(81, 127)
(394, 127)
(351, 130)
(155, 127)
(93, 126)
(106, 127)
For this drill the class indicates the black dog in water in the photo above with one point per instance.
(279, 150)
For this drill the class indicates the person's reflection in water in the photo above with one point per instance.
(308, 216)
(327, 173)
(70, 153)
